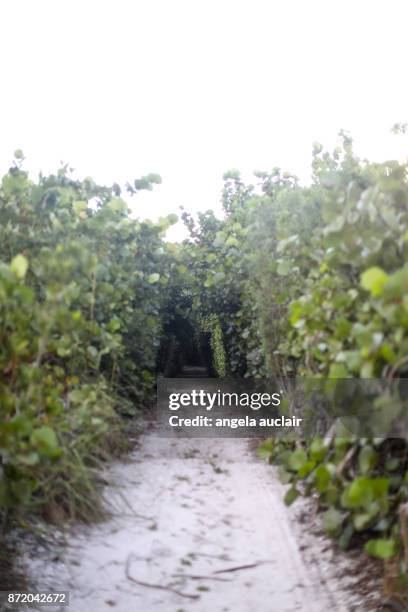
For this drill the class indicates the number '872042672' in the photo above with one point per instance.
(17, 599)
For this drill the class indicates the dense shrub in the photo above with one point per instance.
(80, 324)
(313, 281)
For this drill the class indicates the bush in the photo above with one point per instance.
(80, 324)
(313, 281)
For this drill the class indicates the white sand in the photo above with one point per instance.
(210, 505)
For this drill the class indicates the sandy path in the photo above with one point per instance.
(209, 506)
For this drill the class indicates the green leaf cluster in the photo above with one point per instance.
(81, 312)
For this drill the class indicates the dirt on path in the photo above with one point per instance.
(199, 526)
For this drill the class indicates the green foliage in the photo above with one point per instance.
(384, 549)
(313, 281)
(293, 280)
(81, 300)
(212, 325)
(344, 315)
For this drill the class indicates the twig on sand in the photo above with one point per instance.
(197, 577)
(162, 587)
(241, 567)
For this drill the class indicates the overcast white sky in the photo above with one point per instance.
(191, 88)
